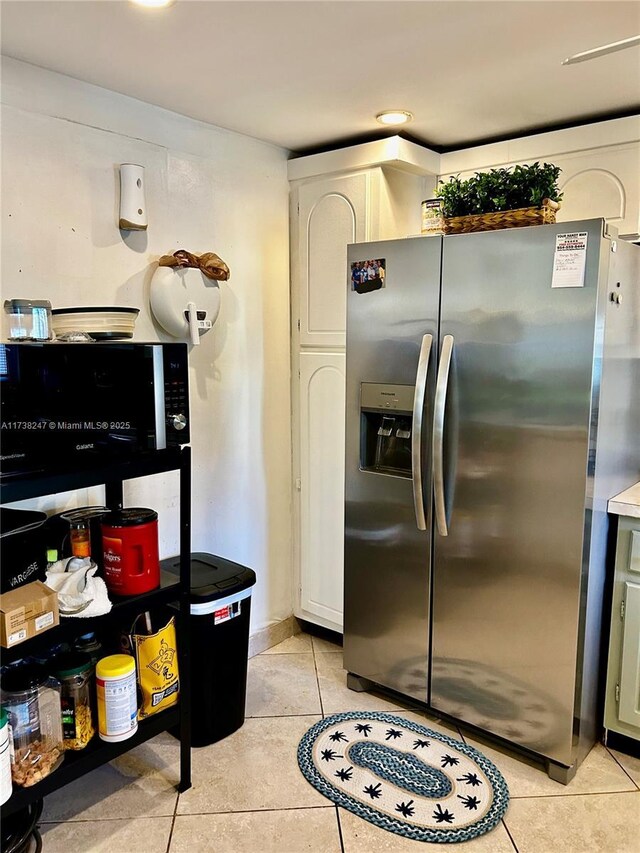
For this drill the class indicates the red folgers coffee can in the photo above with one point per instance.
(130, 550)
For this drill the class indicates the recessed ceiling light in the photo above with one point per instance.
(394, 117)
(153, 4)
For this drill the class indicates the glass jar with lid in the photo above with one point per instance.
(74, 671)
(31, 698)
(29, 319)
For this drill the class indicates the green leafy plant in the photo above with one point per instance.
(500, 189)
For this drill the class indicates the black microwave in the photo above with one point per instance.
(64, 402)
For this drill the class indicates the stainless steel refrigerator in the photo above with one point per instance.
(493, 406)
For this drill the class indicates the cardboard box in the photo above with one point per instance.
(26, 612)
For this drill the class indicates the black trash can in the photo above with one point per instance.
(220, 610)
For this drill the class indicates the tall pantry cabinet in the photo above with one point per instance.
(329, 211)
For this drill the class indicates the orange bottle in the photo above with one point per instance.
(80, 537)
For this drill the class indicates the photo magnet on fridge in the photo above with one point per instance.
(368, 275)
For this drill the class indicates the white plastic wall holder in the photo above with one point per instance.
(184, 301)
(133, 208)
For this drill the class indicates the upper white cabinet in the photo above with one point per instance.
(330, 212)
(604, 182)
(600, 169)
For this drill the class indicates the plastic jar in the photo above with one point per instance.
(5, 758)
(89, 644)
(130, 550)
(74, 672)
(32, 701)
(117, 697)
(44, 657)
(29, 319)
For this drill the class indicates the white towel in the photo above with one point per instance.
(75, 582)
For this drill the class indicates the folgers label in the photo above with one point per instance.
(130, 550)
(112, 555)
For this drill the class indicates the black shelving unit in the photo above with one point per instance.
(112, 474)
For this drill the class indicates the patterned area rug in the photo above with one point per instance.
(403, 777)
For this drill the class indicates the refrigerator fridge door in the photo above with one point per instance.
(391, 346)
(512, 439)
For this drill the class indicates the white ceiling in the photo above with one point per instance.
(304, 74)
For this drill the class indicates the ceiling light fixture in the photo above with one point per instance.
(394, 117)
(153, 4)
(602, 51)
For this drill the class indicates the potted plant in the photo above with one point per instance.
(501, 198)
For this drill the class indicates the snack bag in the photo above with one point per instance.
(157, 668)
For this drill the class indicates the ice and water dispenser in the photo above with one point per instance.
(385, 428)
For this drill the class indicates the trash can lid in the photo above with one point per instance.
(14, 521)
(212, 577)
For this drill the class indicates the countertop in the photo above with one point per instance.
(627, 502)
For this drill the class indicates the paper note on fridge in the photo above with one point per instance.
(569, 260)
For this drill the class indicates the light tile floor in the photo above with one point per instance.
(248, 795)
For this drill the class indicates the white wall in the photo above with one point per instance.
(207, 190)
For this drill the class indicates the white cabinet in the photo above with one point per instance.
(600, 168)
(329, 211)
(322, 409)
(331, 214)
(604, 182)
(622, 699)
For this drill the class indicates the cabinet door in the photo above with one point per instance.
(332, 213)
(602, 182)
(322, 394)
(629, 707)
(596, 182)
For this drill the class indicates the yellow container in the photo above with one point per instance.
(117, 697)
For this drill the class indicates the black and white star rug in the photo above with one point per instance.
(403, 777)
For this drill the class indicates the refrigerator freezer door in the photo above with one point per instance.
(507, 577)
(387, 556)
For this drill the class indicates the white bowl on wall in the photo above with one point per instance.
(173, 289)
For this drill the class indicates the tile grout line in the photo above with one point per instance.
(292, 808)
(622, 767)
(571, 794)
(315, 667)
(256, 811)
(339, 829)
(103, 819)
(279, 716)
(515, 846)
(173, 823)
(299, 808)
(186, 814)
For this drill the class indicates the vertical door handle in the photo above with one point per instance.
(438, 434)
(416, 432)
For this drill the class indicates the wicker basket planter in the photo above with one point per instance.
(523, 216)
